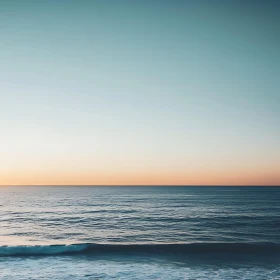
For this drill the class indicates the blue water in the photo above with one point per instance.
(140, 233)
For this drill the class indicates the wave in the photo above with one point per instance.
(162, 249)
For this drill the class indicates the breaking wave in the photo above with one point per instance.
(163, 249)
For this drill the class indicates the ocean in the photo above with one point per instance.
(139, 233)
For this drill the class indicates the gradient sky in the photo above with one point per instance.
(139, 92)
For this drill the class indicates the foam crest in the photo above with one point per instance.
(41, 250)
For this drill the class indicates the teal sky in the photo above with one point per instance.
(117, 91)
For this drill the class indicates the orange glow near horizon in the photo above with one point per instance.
(133, 177)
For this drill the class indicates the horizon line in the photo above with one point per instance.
(135, 185)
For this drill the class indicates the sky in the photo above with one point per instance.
(139, 92)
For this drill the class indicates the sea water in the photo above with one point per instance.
(139, 232)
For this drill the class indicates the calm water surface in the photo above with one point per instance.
(140, 233)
